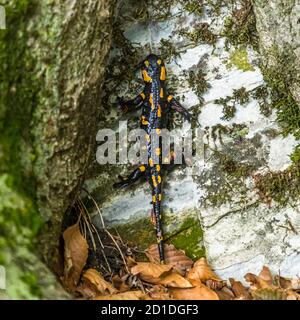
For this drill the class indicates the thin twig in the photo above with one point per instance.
(96, 205)
(230, 212)
(90, 232)
(105, 229)
(98, 236)
(91, 224)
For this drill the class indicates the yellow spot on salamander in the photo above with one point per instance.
(159, 179)
(160, 239)
(157, 151)
(159, 61)
(169, 98)
(146, 63)
(143, 95)
(158, 131)
(151, 162)
(161, 94)
(159, 197)
(154, 181)
(142, 168)
(159, 111)
(151, 101)
(146, 76)
(144, 121)
(163, 74)
(158, 167)
(153, 198)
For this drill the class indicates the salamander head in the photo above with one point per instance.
(153, 67)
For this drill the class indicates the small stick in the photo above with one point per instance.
(105, 229)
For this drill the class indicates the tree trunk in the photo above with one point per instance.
(53, 57)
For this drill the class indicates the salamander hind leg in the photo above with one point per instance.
(132, 178)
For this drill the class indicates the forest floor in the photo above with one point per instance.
(99, 265)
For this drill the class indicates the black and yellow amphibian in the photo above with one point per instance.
(156, 104)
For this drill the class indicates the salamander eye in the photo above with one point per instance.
(158, 61)
(146, 63)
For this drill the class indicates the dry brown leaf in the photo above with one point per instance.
(175, 280)
(283, 282)
(159, 292)
(266, 275)
(225, 294)
(295, 284)
(269, 294)
(151, 272)
(86, 291)
(120, 284)
(256, 282)
(215, 284)
(173, 256)
(292, 295)
(130, 261)
(241, 293)
(286, 283)
(93, 279)
(201, 271)
(198, 292)
(129, 295)
(75, 255)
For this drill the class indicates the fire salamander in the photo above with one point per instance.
(156, 104)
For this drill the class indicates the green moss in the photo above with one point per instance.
(139, 234)
(279, 78)
(235, 131)
(193, 6)
(168, 50)
(261, 94)
(189, 238)
(281, 187)
(240, 28)
(31, 280)
(241, 95)
(295, 156)
(200, 34)
(239, 59)
(228, 111)
(197, 81)
(288, 112)
(19, 85)
(232, 167)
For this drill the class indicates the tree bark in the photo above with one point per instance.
(53, 58)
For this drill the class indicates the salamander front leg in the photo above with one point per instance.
(132, 178)
(131, 104)
(175, 105)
